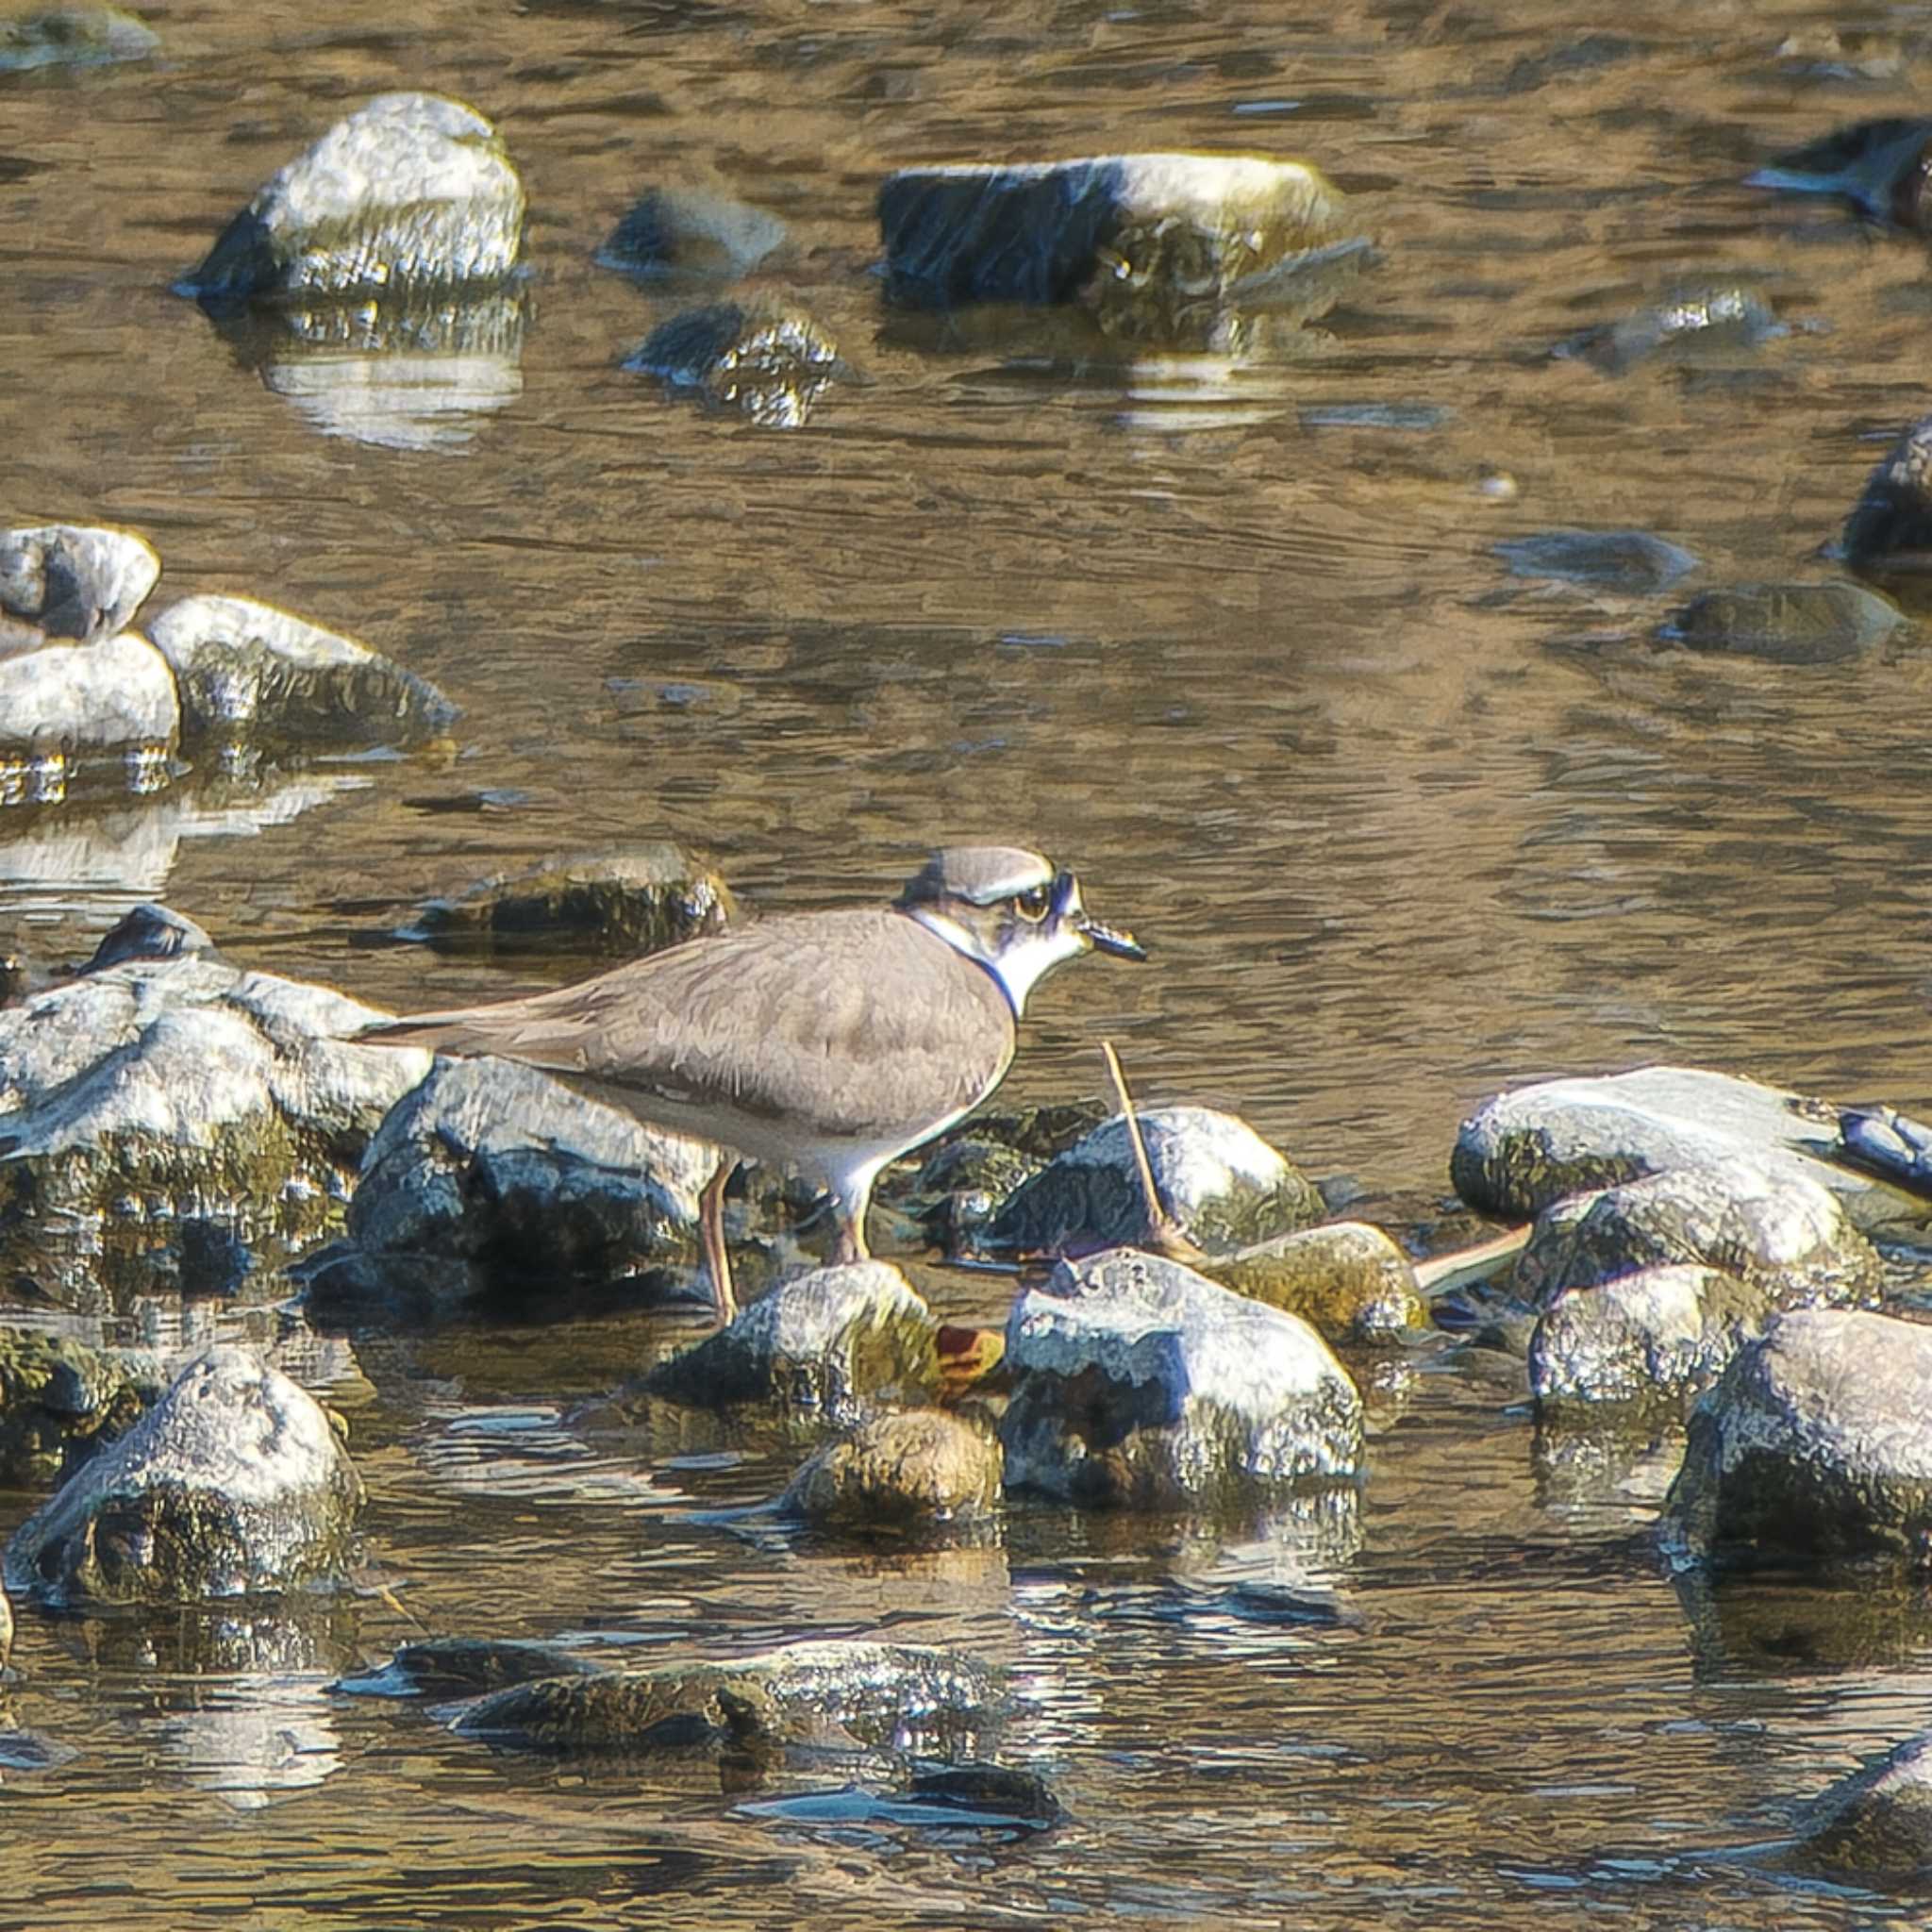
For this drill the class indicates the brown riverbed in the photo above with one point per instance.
(1403, 828)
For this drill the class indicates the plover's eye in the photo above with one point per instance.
(1033, 905)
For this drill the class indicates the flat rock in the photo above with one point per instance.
(234, 1483)
(76, 700)
(1890, 524)
(1346, 1279)
(411, 190)
(71, 580)
(1531, 1147)
(248, 670)
(446, 1667)
(1787, 623)
(835, 1340)
(915, 1469)
(1632, 561)
(1137, 1383)
(689, 233)
(72, 37)
(1222, 1183)
(1814, 1446)
(764, 360)
(630, 902)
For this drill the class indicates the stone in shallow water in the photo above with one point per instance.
(452, 1667)
(71, 580)
(1348, 1279)
(245, 669)
(1878, 166)
(1628, 561)
(1712, 322)
(1788, 623)
(1890, 524)
(690, 232)
(411, 190)
(770, 363)
(117, 695)
(1876, 1825)
(916, 1470)
(72, 37)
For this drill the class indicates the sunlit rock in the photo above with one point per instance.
(769, 362)
(61, 1401)
(1788, 623)
(161, 1103)
(1878, 166)
(235, 1482)
(630, 902)
(80, 701)
(1815, 1447)
(1138, 1383)
(686, 233)
(245, 669)
(1715, 322)
(72, 37)
(1530, 1146)
(897, 1475)
(1890, 524)
(1346, 1279)
(1632, 561)
(1221, 1183)
(70, 580)
(410, 191)
(833, 1342)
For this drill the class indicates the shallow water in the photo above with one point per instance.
(1404, 828)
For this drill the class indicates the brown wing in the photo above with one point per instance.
(848, 1023)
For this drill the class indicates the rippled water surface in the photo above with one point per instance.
(1232, 637)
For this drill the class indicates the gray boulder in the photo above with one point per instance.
(1787, 623)
(245, 669)
(1890, 524)
(1815, 1445)
(71, 580)
(235, 1483)
(914, 1471)
(81, 701)
(411, 190)
(767, 362)
(835, 1340)
(685, 233)
(159, 1105)
(1874, 1826)
(1223, 1186)
(1137, 1383)
(1525, 1149)
(72, 37)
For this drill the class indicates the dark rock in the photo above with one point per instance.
(1223, 1186)
(1631, 561)
(72, 37)
(1713, 322)
(70, 580)
(1788, 623)
(1137, 1383)
(1878, 166)
(838, 1341)
(248, 670)
(1813, 1447)
(60, 1402)
(1875, 1826)
(976, 1793)
(446, 1667)
(148, 932)
(234, 1483)
(959, 1190)
(680, 232)
(630, 902)
(1347, 1280)
(411, 190)
(916, 1470)
(770, 363)
(1890, 524)
(1525, 1149)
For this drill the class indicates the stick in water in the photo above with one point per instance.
(1167, 1235)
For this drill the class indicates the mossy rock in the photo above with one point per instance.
(1346, 1279)
(900, 1474)
(59, 1401)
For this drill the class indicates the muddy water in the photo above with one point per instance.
(1233, 639)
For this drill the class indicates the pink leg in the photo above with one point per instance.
(711, 1237)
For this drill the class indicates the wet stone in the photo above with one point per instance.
(1347, 1280)
(1874, 1826)
(235, 1482)
(896, 1474)
(1137, 1383)
(836, 1340)
(1630, 561)
(114, 696)
(1890, 524)
(445, 1668)
(1788, 623)
(1814, 1447)
(629, 903)
(72, 581)
(411, 190)
(1878, 166)
(770, 364)
(1713, 322)
(60, 1402)
(689, 233)
(245, 669)
(72, 37)
(1223, 1186)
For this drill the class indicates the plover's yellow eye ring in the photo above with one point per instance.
(1031, 905)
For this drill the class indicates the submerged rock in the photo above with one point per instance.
(1814, 1446)
(877, 1692)
(1874, 1826)
(72, 37)
(234, 1483)
(1878, 166)
(1137, 1383)
(163, 1100)
(837, 1341)
(1347, 1280)
(245, 669)
(71, 580)
(1890, 524)
(770, 363)
(1223, 1186)
(70, 701)
(1632, 561)
(411, 190)
(630, 902)
(1710, 322)
(894, 1474)
(1788, 623)
(60, 1402)
(1525, 1149)
(445, 1668)
(685, 232)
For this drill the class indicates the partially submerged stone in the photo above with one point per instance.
(247, 670)
(630, 902)
(60, 1402)
(913, 1471)
(1632, 561)
(76, 701)
(1814, 1446)
(1890, 524)
(1348, 1280)
(1526, 1148)
(1221, 1184)
(72, 37)
(770, 363)
(1878, 166)
(445, 1668)
(71, 580)
(1710, 322)
(877, 1693)
(1138, 1383)
(1874, 1826)
(835, 1340)
(1787, 623)
(690, 233)
(235, 1483)
(411, 190)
